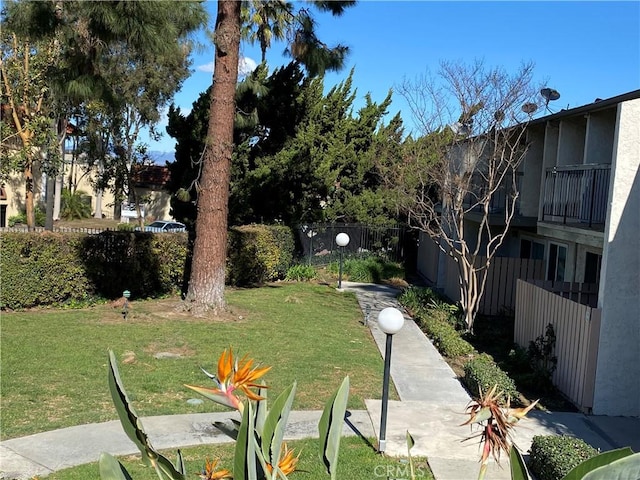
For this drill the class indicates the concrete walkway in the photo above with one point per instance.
(431, 406)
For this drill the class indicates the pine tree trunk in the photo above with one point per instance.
(206, 284)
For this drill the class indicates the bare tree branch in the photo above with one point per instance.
(461, 174)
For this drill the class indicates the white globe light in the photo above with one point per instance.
(390, 320)
(342, 239)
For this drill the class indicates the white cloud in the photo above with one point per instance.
(207, 67)
(245, 67)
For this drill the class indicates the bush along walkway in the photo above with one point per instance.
(433, 401)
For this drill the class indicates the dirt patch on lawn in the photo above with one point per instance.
(169, 309)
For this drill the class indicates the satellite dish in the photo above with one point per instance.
(550, 94)
(529, 108)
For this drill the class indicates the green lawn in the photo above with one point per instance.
(54, 362)
(357, 461)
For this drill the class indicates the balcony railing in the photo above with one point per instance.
(576, 194)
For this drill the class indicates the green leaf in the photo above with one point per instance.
(410, 443)
(626, 468)
(212, 395)
(128, 416)
(518, 468)
(261, 409)
(245, 452)
(111, 468)
(482, 415)
(230, 431)
(180, 465)
(275, 424)
(330, 428)
(593, 464)
(165, 468)
(133, 426)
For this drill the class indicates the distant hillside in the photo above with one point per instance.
(161, 158)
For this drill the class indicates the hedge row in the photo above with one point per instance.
(48, 268)
(259, 254)
(551, 457)
(436, 318)
(443, 334)
(481, 373)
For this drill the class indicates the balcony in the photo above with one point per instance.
(577, 195)
(497, 203)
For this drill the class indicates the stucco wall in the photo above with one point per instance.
(617, 389)
(533, 173)
(600, 135)
(571, 141)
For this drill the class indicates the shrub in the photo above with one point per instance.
(369, 269)
(42, 269)
(552, 456)
(146, 264)
(126, 227)
(482, 373)
(258, 254)
(543, 361)
(40, 215)
(417, 298)
(73, 205)
(443, 335)
(300, 273)
(52, 268)
(55, 269)
(518, 360)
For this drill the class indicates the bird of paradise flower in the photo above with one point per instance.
(209, 472)
(287, 462)
(496, 421)
(232, 376)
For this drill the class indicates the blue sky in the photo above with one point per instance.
(584, 50)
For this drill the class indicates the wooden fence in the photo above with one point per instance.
(577, 330)
(583, 293)
(500, 291)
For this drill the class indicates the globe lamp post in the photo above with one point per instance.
(390, 321)
(342, 240)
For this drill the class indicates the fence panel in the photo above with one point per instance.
(583, 293)
(428, 258)
(577, 330)
(318, 241)
(500, 290)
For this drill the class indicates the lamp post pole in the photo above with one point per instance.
(342, 240)
(385, 395)
(390, 321)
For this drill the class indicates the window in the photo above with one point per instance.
(592, 265)
(531, 249)
(557, 262)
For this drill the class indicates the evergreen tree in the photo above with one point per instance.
(206, 284)
(308, 158)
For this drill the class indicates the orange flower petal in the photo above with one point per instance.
(225, 366)
(209, 472)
